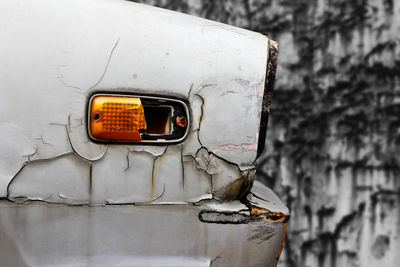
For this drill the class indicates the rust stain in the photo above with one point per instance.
(268, 215)
(234, 187)
(181, 121)
(282, 242)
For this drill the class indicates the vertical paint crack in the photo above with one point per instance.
(107, 64)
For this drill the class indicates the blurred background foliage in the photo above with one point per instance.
(332, 151)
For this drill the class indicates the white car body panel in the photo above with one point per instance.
(54, 55)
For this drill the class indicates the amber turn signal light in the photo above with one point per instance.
(116, 118)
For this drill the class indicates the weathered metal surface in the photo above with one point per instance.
(268, 92)
(78, 47)
(38, 234)
(56, 55)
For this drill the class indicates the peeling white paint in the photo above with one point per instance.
(81, 144)
(43, 180)
(217, 69)
(116, 182)
(57, 54)
(15, 150)
(263, 197)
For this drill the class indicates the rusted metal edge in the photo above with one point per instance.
(273, 48)
(278, 256)
(243, 216)
(267, 214)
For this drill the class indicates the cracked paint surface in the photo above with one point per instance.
(55, 160)
(48, 160)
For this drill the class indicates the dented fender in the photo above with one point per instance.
(207, 233)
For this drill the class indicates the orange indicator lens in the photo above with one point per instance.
(116, 118)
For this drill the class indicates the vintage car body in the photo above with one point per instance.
(67, 199)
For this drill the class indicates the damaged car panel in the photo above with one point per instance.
(182, 105)
(137, 119)
(151, 235)
(65, 64)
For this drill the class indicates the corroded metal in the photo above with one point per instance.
(49, 163)
(272, 64)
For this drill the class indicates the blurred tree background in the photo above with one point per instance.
(333, 141)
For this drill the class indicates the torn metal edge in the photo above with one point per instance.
(272, 63)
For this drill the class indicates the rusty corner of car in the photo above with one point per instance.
(245, 216)
(248, 213)
(156, 185)
(272, 63)
(272, 216)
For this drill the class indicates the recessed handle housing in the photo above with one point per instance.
(137, 119)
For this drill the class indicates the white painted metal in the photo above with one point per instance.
(55, 54)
